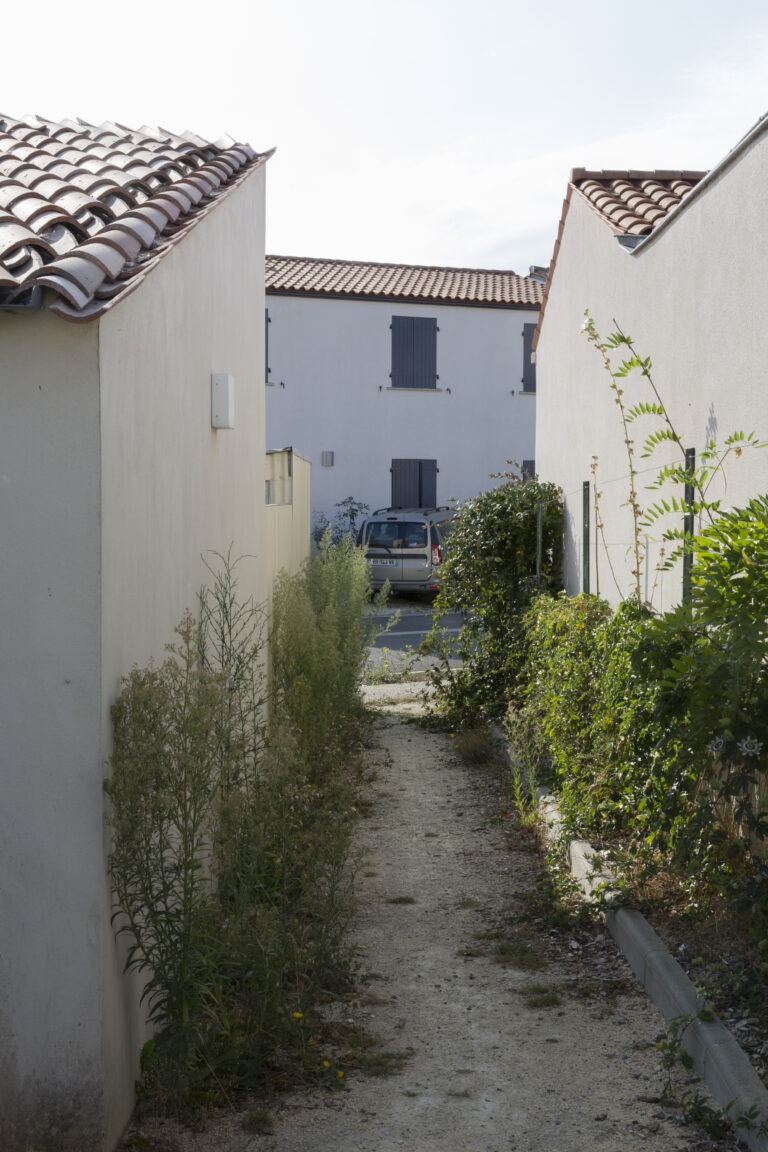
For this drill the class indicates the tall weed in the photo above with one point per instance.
(318, 646)
(230, 855)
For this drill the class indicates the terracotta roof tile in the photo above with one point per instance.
(306, 276)
(633, 203)
(86, 210)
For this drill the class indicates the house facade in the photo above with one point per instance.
(676, 261)
(132, 448)
(403, 385)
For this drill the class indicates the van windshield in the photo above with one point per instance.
(396, 534)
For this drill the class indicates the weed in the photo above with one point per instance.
(259, 1121)
(480, 748)
(401, 900)
(518, 954)
(541, 996)
(230, 855)
(374, 1000)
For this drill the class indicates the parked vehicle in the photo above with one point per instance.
(405, 546)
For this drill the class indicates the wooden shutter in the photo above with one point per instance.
(427, 483)
(414, 483)
(414, 352)
(529, 369)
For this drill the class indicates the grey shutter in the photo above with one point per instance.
(414, 352)
(529, 469)
(529, 369)
(267, 368)
(405, 483)
(414, 483)
(428, 485)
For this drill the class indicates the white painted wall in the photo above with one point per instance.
(50, 718)
(175, 489)
(288, 522)
(330, 362)
(113, 486)
(693, 300)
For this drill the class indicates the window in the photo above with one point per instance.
(414, 352)
(414, 483)
(529, 369)
(529, 469)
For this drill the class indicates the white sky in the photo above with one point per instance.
(413, 131)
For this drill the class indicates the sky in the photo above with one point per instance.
(409, 131)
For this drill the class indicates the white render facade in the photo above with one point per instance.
(332, 395)
(115, 487)
(692, 295)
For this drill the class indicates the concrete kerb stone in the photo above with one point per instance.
(717, 1057)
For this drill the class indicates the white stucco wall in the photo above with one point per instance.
(174, 489)
(51, 907)
(113, 486)
(288, 522)
(329, 390)
(692, 300)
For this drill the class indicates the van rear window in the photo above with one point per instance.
(396, 534)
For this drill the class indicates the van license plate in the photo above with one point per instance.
(386, 563)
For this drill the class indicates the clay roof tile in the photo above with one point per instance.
(292, 275)
(86, 210)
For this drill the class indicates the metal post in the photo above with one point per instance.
(585, 538)
(688, 522)
(539, 540)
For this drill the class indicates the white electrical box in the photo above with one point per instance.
(222, 400)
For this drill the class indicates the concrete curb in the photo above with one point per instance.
(717, 1057)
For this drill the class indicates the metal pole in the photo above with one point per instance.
(688, 522)
(539, 540)
(585, 538)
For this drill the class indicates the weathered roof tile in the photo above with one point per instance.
(86, 210)
(300, 276)
(633, 203)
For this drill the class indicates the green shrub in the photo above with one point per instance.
(715, 696)
(505, 547)
(231, 843)
(318, 645)
(592, 700)
(654, 729)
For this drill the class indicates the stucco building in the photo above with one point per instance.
(676, 260)
(132, 446)
(402, 384)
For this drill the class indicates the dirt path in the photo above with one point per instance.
(501, 1057)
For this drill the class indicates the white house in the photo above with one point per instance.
(403, 385)
(677, 261)
(132, 446)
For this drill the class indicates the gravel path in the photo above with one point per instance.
(501, 1057)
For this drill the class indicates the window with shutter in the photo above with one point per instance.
(529, 369)
(414, 352)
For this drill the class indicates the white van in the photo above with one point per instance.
(405, 546)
